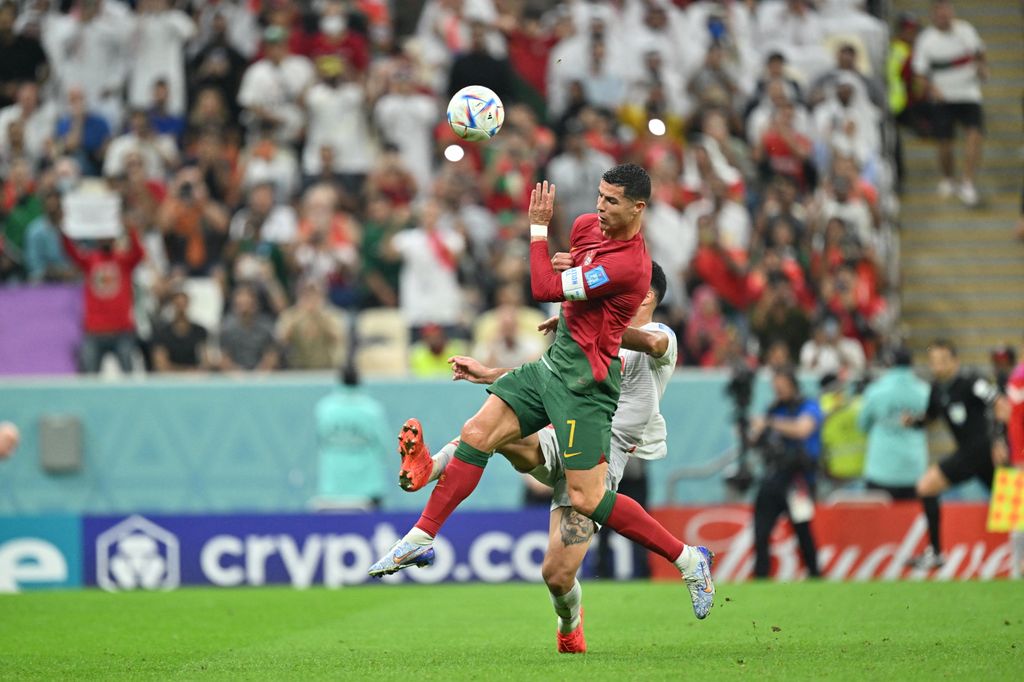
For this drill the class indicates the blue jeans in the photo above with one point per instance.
(95, 346)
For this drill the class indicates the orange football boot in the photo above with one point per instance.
(574, 642)
(417, 465)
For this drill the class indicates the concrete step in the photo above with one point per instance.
(1006, 328)
(928, 198)
(921, 296)
(912, 245)
(923, 260)
(1008, 269)
(967, 308)
(923, 287)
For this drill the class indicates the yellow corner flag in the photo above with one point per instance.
(1006, 509)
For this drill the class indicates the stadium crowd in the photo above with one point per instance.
(280, 166)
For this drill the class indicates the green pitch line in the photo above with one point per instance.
(891, 631)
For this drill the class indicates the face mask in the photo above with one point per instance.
(332, 25)
(65, 185)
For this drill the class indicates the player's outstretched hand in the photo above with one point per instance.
(469, 369)
(542, 203)
(561, 261)
(548, 326)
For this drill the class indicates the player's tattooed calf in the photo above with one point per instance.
(576, 528)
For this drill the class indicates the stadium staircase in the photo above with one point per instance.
(962, 271)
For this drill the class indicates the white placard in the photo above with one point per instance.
(90, 214)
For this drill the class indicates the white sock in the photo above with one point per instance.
(442, 458)
(567, 607)
(1017, 549)
(686, 562)
(419, 537)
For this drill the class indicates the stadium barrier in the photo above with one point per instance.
(855, 542)
(163, 552)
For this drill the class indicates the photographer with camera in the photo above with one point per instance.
(789, 439)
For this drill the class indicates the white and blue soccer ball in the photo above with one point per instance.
(475, 113)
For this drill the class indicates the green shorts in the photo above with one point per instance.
(582, 422)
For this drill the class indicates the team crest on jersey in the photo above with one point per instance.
(589, 258)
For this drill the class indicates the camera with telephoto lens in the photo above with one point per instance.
(740, 391)
(781, 456)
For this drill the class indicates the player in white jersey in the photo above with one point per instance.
(648, 355)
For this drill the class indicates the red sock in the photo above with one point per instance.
(631, 520)
(459, 480)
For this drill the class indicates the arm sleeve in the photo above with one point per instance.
(934, 408)
(985, 391)
(919, 61)
(605, 276)
(73, 252)
(813, 410)
(247, 95)
(135, 252)
(866, 417)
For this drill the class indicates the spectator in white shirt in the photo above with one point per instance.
(794, 28)
(159, 152)
(242, 30)
(262, 217)
(949, 64)
(731, 217)
(576, 172)
(829, 352)
(846, 120)
(337, 120)
(89, 49)
(406, 118)
(428, 286)
(266, 160)
(272, 88)
(158, 53)
(674, 239)
(38, 122)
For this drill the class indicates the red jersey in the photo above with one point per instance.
(1015, 427)
(601, 294)
(108, 285)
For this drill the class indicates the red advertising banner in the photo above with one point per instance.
(855, 542)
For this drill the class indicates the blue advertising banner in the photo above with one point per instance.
(163, 552)
(40, 552)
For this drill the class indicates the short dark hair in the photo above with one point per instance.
(634, 181)
(902, 357)
(789, 374)
(349, 375)
(658, 282)
(946, 344)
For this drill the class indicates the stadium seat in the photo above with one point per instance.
(382, 338)
(486, 326)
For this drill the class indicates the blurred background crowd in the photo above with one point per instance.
(285, 190)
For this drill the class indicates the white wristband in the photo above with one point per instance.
(539, 231)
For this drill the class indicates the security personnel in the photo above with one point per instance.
(965, 401)
(789, 437)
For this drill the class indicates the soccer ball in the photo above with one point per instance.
(475, 113)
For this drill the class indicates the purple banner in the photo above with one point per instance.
(163, 552)
(40, 329)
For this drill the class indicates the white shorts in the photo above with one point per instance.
(552, 472)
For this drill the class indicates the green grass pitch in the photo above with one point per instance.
(809, 631)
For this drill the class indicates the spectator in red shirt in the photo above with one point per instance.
(784, 151)
(725, 271)
(109, 297)
(529, 47)
(336, 37)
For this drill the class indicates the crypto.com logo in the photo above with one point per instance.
(137, 554)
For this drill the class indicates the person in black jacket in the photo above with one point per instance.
(965, 400)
